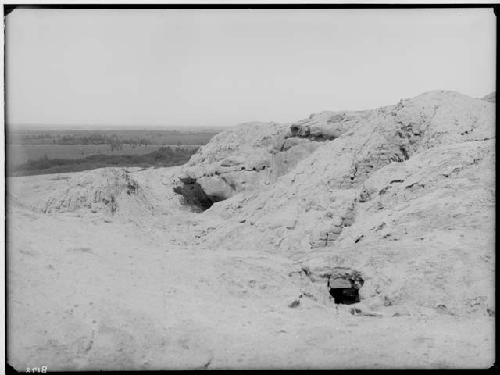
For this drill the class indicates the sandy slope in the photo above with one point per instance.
(132, 293)
(108, 270)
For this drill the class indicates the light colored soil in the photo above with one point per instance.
(108, 270)
(93, 291)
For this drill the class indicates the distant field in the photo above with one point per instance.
(108, 137)
(32, 152)
(21, 154)
(162, 157)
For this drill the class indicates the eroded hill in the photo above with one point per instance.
(404, 193)
(227, 261)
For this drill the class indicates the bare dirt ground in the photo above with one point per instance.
(89, 290)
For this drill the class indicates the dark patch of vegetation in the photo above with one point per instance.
(163, 157)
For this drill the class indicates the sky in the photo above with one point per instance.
(68, 68)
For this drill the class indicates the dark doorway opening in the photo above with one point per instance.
(343, 285)
(345, 296)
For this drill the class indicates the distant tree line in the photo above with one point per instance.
(116, 140)
(99, 139)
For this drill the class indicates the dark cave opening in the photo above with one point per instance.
(344, 287)
(195, 196)
(345, 296)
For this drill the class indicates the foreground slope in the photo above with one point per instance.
(112, 269)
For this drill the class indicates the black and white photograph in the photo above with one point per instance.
(236, 187)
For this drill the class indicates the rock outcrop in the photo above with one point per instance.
(246, 158)
(325, 126)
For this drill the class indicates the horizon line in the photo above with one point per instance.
(38, 126)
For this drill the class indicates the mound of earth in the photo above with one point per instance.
(106, 190)
(404, 193)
